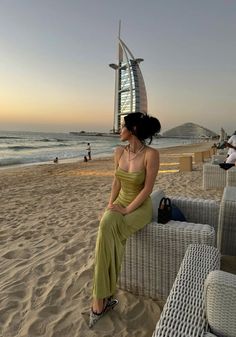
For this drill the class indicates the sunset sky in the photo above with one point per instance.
(54, 57)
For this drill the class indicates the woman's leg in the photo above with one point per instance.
(108, 257)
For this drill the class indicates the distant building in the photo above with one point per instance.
(130, 91)
(190, 130)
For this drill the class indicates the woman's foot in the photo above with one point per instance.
(98, 305)
(106, 304)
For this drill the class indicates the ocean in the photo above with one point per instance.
(22, 148)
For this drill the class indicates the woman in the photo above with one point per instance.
(129, 208)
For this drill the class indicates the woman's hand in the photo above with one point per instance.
(118, 208)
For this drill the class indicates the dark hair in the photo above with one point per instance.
(142, 125)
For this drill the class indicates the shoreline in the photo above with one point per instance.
(96, 157)
(61, 161)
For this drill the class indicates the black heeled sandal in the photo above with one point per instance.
(94, 317)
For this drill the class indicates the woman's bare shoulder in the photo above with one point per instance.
(151, 151)
(119, 149)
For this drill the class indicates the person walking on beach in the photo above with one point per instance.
(231, 159)
(231, 144)
(89, 151)
(129, 208)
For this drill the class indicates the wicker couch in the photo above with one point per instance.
(218, 158)
(226, 231)
(153, 255)
(214, 177)
(202, 301)
(172, 262)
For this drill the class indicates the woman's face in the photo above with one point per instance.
(124, 133)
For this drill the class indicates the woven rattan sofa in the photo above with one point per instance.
(226, 231)
(202, 301)
(218, 158)
(214, 177)
(231, 177)
(153, 255)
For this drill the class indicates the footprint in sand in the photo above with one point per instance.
(66, 325)
(6, 312)
(37, 328)
(44, 280)
(17, 254)
(60, 267)
(3, 238)
(61, 258)
(54, 296)
(80, 285)
(43, 268)
(72, 249)
(18, 294)
(49, 311)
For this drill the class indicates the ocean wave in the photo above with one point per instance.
(44, 140)
(20, 147)
(52, 140)
(11, 161)
(62, 140)
(26, 147)
(9, 137)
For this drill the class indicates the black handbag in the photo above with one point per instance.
(164, 211)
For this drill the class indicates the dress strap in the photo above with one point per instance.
(144, 157)
(120, 155)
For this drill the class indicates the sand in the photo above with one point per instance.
(48, 224)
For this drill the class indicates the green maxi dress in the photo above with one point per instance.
(114, 229)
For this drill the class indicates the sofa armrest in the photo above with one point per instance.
(198, 210)
(184, 310)
(153, 256)
(218, 158)
(214, 177)
(226, 235)
(231, 177)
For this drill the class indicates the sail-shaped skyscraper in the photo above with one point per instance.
(130, 91)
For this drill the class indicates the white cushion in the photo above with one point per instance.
(220, 296)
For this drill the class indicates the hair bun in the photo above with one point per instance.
(142, 125)
(155, 125)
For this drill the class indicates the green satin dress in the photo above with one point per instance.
(114, 229)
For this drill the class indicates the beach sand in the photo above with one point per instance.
(49, 217)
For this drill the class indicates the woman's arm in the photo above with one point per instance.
(230, 145)
(230, 142)
(115, 189)
(152, 167)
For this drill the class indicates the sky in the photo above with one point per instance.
(54, 56)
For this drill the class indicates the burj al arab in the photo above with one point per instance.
(130, 92)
